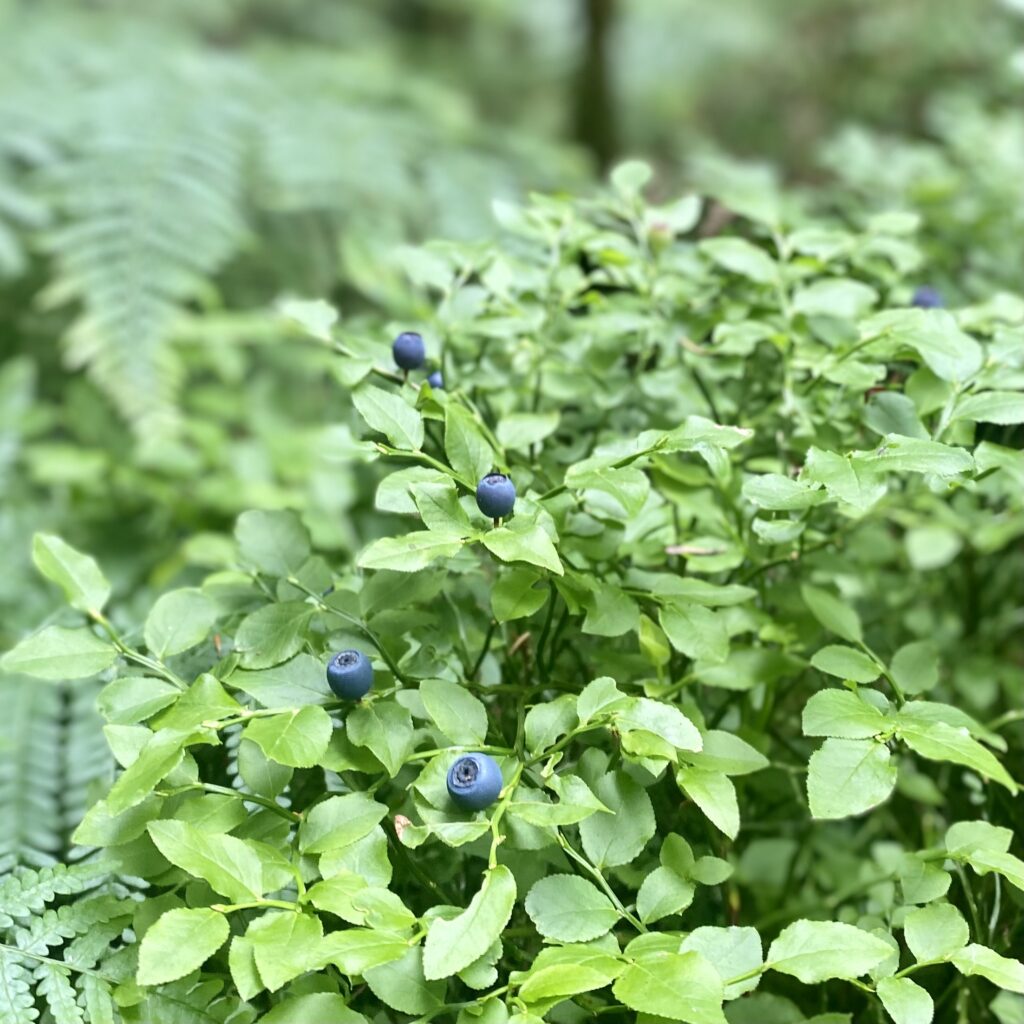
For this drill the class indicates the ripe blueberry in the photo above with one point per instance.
(474, 782)
(495, 495)
(350, 674)
(436, 381)
(927, 297)
(409, 350)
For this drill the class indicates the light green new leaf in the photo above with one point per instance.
(316, 1006)
(742, 257)
(1002, 407)
(519, 430)
(935, 932)
(848, 777)
(295, 738)
(58, 653)
(679, 986)
(815, 951)
(846, 663)
(410, 552)
(179, 620)
(515, 544)
(715, 795)
(161, 754)
(455, 711)
(231, 866)
(898, 454)
(285, 944)
(77, 574)
(1000, 970)
(453, 945)
(731, 951)
(938, 741)
(664, 720)
(569, 909)
(905, 1001)
(663, 892)
(179, 942)
(562, 971)
(841, 714)
(402, 986)
(390, 415)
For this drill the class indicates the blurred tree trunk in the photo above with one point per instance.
(594, 114)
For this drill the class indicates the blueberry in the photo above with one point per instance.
(495, 495)
(927, 297)
(350, 674)
(409, 350)
(436, 381)
(474, 782)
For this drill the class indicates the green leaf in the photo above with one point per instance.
(731, 951)
(842, 714)
(273, 542)
(339, 821)
(57, 653)
(299, 681)
(723, 752)
(975, 959)
(385, 729)
(453, 945)
(617, 838)
(78, 575)
(848, 777)
(562, 971)
(161, 754)
(285, 945)
(715, 795)
(517, 594)
(778, 493)
(401, 984)
(936, 337)
(679, 986)
(569, 909)
(179, 942)
(410, 552)
(455, 711)
(897, 454)
(231, 866)
(741, 257)
(839, 297)
(627, 485)
(179, 620)
(519, 430)
(1003, 407)
(548, 721)
(846, 663)
(439, 508)
(660, 719)
(599, 697)
(935, 932)
(905, 1001)
(465, 445)
(390, 415)
(316, 1006)
(815, 951)
(663, 892)
(295, 738)
(356, 950)
(833, 614)
(132, 699)
(529, 543)
(697, 632)
(915, 667)
(273, 634)
(938, 741)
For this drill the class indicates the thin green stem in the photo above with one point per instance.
(249, 798)
(499, 813)
(601, 881)
(230, 908)
(39, 958)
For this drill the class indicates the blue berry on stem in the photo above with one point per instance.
(436, 381)
(927, 297)
(495, 495)
(474, 782)
(409, 350)
(350, 675)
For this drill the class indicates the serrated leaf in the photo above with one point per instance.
(848, 777)
(179, 942)
(453, 945)
(295, 738)
(679, 986)
(569, 909)
(77, 574)
(390, 415)
(455, 711)
(231, 866)
(523, 544)
(57, 653)
(179, 620)
(815, 951)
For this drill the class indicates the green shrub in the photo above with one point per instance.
(747, 652)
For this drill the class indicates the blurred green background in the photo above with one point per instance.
(169, 169)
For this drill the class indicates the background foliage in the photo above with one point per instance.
(170, 174)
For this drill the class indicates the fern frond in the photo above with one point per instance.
(54, 985)
(17, 1004)
(150, 202)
